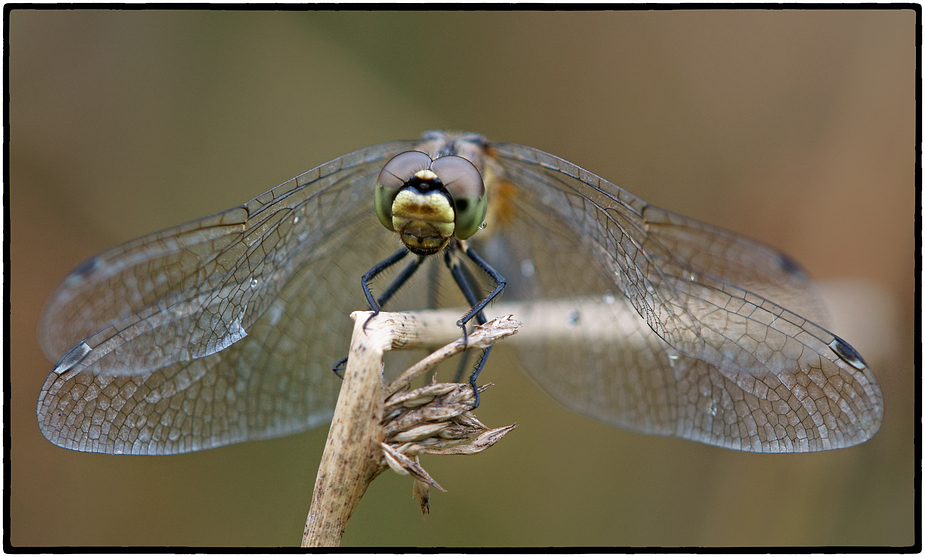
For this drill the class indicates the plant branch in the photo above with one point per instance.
(358, 448)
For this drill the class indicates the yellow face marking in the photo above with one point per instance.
(424, 222)
(430, 207)
(425, 175)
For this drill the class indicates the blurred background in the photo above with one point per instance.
(793, 127)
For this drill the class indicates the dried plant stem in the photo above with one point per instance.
(353, 455)
(346, 469)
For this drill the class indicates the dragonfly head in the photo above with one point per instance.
(428, 201)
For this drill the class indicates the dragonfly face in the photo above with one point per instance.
(429, 201)
(223, 330)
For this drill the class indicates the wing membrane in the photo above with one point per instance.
(715, 362)
(238, 301)
(188, 292)
(224, 329)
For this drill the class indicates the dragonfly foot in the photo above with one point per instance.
(339, 367)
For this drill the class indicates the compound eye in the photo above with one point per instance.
(464, 183)
(394, 175)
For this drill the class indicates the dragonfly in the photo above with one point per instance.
(224, 329)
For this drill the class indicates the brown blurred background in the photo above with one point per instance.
(793, 127)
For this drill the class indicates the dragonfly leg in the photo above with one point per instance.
(495, 277)
(465, 281)
(376, 304)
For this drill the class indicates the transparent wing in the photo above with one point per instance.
(220, 330)
(698, 342)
